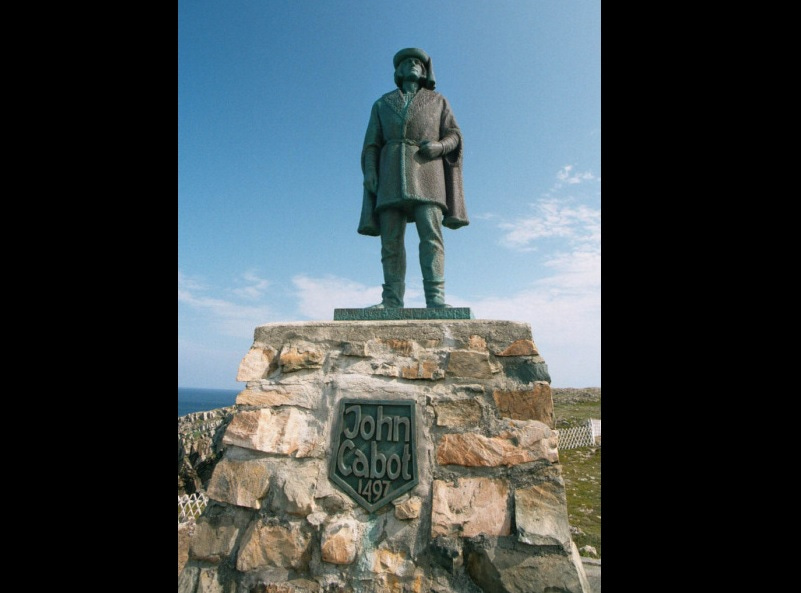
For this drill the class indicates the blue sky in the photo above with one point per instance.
(274, 97)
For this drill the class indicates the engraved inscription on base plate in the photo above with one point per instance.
(371, 314)
(374, 450)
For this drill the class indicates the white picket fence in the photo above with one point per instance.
(191, 505)
(595, 424)
(586, 435)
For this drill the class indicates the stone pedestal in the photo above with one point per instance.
(388, 456)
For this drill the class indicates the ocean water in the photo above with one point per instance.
(192, 400)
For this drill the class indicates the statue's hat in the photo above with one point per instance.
(410, 52)
(416, 52)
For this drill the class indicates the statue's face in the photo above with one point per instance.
(412, 68)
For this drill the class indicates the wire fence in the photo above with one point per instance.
(190, 506)
(586, 435)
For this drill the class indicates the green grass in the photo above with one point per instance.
(581, 470)
(581, 467)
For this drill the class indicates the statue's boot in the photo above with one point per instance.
(432, 257)
(435, 294)
(391, 296)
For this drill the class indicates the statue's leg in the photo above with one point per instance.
(393, 256)
(428, 219)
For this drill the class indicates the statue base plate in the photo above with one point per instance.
(369, 314)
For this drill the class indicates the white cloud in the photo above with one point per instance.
(318, 297)
(228, 317)
(255, 286)
(571, 292)
(564, 176)
(187, 283)
(552, 218)
(566, 314)
(556, 217)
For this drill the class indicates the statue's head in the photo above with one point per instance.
(426, 79)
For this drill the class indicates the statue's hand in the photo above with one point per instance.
(371, 182)
(431, 150)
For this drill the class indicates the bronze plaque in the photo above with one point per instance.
(374, 450)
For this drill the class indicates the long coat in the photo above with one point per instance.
(406, 178)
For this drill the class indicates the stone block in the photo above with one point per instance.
(300, 395)
(216, 533)
(240, 483)
(303, 355)
(187, 581)
(407, 508)
(446, 552)
(288, 586)
(295, 489)
(528, 404)
(401, 347)
(468, 363)
(464, 412)
(523, 442)
(425, 368)
(285, 431)
(354, 349)
(477, 343)
(210, 581)
(471, 507)
(526, 369)
(269, 544)
(256, 363)
(513, 570)
(340, 541)
(389, 562)
(520, 348)
(541, 515)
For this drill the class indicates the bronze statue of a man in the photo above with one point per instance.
(412, 166)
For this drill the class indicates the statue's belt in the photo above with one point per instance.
(403, 141)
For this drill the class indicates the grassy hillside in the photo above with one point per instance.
(581, 467)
